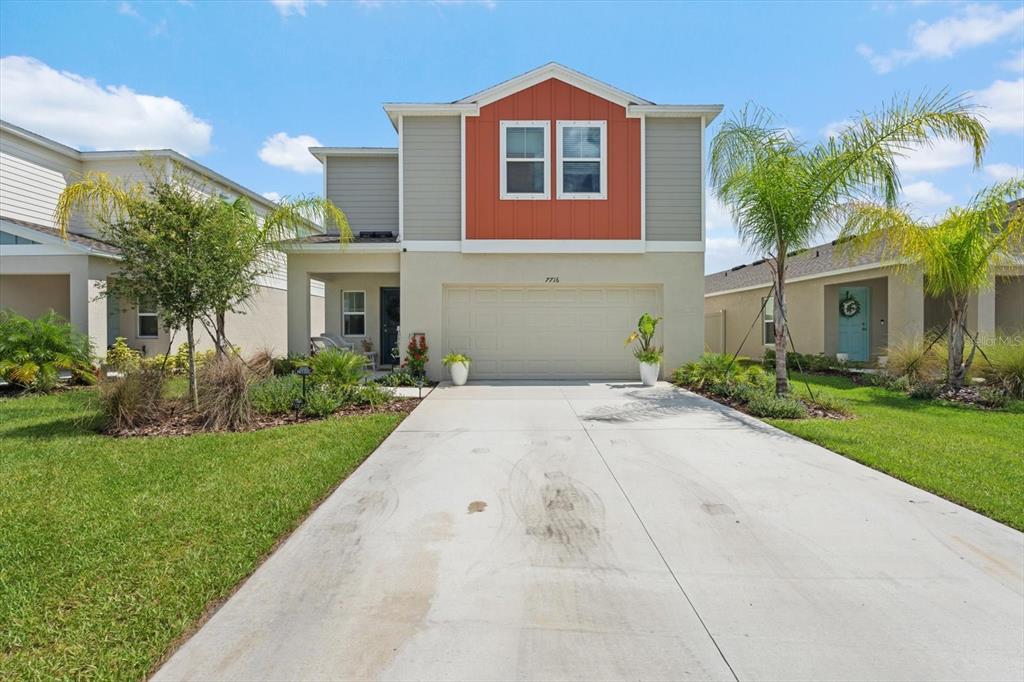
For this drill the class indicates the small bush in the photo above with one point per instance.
(801, 361)
(275, 394)
(1005, 365)
(710, 368)
(775, 407)
(122, 358)
(335, 368)
(924, 390)
(829, 404)
(366, 394)
(909, 358)
(33, 353)
(165, 363)
(322, 401)
(202, 357)
(398, 377)
(132, 400)
(224, 401)
(284, 366)
(993, 397)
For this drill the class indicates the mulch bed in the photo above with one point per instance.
(178, 419)
(815, 411)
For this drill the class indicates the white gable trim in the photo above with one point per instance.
(562, 73)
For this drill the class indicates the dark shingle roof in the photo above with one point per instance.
(359, 238)
(814, 261)
(90, 243)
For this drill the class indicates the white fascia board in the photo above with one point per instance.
(338, 247)
(427, 245)
(36, 138)
(553, 246)
(707, 111)
(396, 109)
(676, 247)
(322, 153)
(560, 72)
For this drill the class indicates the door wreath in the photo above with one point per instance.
(849, 306)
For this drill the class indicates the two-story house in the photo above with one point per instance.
(528, 225)
(41, 271)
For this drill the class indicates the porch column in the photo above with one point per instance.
(332, 307)
(298, 308)
(87, 308)
(987, 309)
(906, 306)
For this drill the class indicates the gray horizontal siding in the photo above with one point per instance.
(31, 179)
(366, 189)
(431, 147)
(673, 179)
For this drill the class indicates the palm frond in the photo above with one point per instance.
(293, 217)
(98, 196)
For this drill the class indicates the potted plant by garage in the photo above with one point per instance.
(648, 355)
(458, 367)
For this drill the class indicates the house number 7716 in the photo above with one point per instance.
(551, 280)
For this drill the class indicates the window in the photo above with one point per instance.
(149, 321)
(524, 159)
(353, 313)
(582, 147)
(769, 321)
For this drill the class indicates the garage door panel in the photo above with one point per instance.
(546, 332)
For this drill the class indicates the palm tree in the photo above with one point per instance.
(782, 193)
(957, 253)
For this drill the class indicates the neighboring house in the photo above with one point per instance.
(821, 282)
(528, 226)
(40, 271)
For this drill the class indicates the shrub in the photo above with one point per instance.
(645, 350)
(772, 406)
(224, 401)
(398, 377)
(909, 358)
(829, 404)
(336, 368)
(34, 352)
(202, 357)
(710, 368)
(994, 397)
(1005, 366)
(122, 358)
(456, 359)
(322, 401)
(366, 394)
(416, 358)
(802, 361)
(924, 390)
(275, 394)
(285, 366)
(133, 399)
(168, 364)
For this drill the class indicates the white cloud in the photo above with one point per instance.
(288, 7)
(284, 151)
(972, 26)
(833, 128)
(1000, 172)
(1003, 103)
(127, 9)
(926, 197)
(272, 196)
(939, 156)
(78, 111)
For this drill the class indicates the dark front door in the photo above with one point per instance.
(389, 320)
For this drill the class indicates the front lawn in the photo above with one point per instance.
(112, 548)
(971, 456)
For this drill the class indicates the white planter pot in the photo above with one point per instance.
(649, 372)
(459, 372)
(841, 358)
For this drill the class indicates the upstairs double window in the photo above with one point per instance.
(582, 148)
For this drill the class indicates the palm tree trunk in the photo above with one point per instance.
(781, 378)
(193, 386)
(956, 369)
(221, 335)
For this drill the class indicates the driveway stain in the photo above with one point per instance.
(476, 506)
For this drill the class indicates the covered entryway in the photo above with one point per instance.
(550, 332)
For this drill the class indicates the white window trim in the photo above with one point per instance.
(352, 312)
(139, 314)
(603, 194)
(769, 309)
(529, 196)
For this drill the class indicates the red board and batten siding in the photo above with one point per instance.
(490, 217)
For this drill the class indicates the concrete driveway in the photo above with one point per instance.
(603, 531)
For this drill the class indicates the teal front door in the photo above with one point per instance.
(855, 323)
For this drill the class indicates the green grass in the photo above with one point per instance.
(971, 456)
(110, 549)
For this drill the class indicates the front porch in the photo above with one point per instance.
(362, 303)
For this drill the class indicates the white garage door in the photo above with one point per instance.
(553, 332)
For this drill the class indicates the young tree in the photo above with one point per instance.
(183, 248)
(957, 253)
(782, 192)
(247, 249)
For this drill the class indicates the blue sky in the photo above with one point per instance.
(243, 86)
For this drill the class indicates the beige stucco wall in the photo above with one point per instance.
(1009, 304)
(371, 283)
(681, 276)
(34, 295)
(897, 302)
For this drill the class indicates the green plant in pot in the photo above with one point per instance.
(458, 367)
(646, 353)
